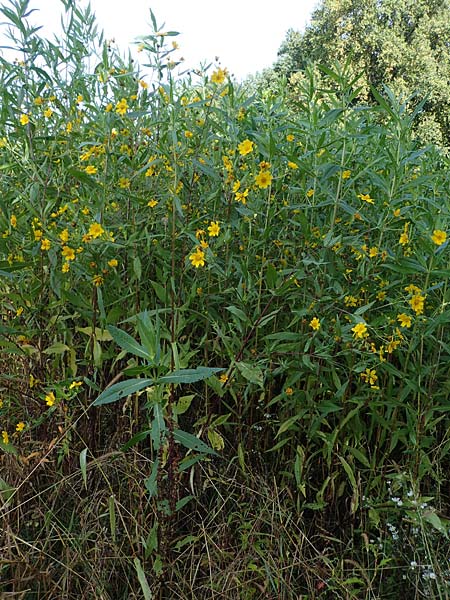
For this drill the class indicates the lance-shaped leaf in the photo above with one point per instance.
(128, 343)
(189, 375)
(192, 442)
(121, 390)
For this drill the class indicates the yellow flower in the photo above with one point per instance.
(242, 196)
(263, 179)
(223, 378)
(360, 331)
(412, 289)
(197, 258)
(68, 253)
(124, 183)
(404, 239)
(95, 230)
(64, 235)
(122, 106)
(366, 198)
(219, 75)
(397, 212)
(292, 165)
(290, 137)
(369, 376)
(188, 134)
(288, 391)
(245, 147)
(404, 320)
(350, 301)
(91, 170)
(24, 119)
(315, 324)
(310, 193)
(20, 426)
(5, 437)
(152, 203)
(75, 384)
(13, 221)
(45, 244)
(113, 262)
(48, 113)
(439, 237)
(50, 399)
(346, 174)
(373, 252)
(417, 303)
(143, 84)
(65, 268)
(97, 280)
(214, 229)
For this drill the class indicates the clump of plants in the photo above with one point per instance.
(206, 297)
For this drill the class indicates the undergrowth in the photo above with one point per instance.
(224, 331)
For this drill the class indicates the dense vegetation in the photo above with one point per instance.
(224, 334)
(401, 43)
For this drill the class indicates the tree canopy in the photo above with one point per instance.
(404, 44)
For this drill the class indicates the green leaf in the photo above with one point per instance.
(112, 517)
(56, 348)
(237, 312)
(288, 424)
(137, 267)
(349, 471)
(9, 448)
(128, 343)
(158, 426)
(216, 440)
(6, 491)
(83, 466)
(182, 502)
(241, 457)
(149, 334)
(143, 580)
(122, 390)
(192, 442)
(189, 375)
(151, 543)
(135, 439)
(251, 373)
(183, 404)
(151, 481)
(432, 518)
(189, 539)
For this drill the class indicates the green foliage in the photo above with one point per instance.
(401, 44)
(222, 323)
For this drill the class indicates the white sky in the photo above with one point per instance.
(244, 34)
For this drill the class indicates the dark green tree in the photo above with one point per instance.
(404, 44)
